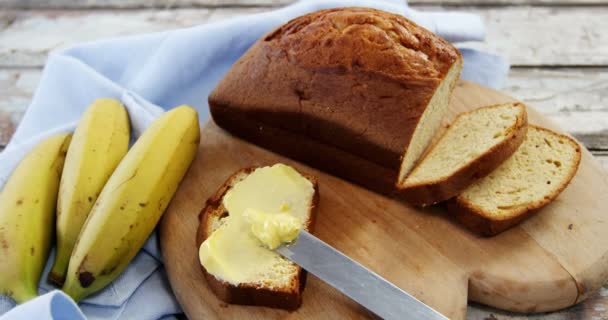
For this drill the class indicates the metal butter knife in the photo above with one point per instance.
(354, 280)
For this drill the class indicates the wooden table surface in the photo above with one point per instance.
(558, 51)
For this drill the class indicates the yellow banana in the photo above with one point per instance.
(100, 141)
(132, 201)
(27, 217)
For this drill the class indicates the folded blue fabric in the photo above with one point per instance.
(168, 69)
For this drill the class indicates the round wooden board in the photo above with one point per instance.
(551, 261)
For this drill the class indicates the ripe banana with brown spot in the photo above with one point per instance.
(132, 201)
(27, 217)
(100, 141)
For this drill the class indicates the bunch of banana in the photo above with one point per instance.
(100, 141)
(132, 202)
(27, 217)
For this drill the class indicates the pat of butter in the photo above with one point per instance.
(265, 209)
(273, 229)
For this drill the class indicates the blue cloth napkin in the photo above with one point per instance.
(155, 72)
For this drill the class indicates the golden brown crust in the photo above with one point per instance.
(475, 220)
(251, 294)
(373, 40)
(429, 193)
(478, 221)
(353, 79)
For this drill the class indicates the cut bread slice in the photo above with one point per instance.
(282, 285)
(430, 121)
(476, 143)
(535, 175)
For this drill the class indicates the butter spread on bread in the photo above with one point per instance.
(475, 144)
(534, 176)
(254, 212)
(356, 92)
(273, 229)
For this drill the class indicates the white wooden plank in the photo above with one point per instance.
(63, 4)
(16, 89)
(7, 128)
(560, 90)
(123, 4)
(577, 99)
(509, 2)
(545, 36)
(527, 36)
(48, 30)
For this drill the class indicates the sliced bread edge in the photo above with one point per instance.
(480, 222)
(424, 194)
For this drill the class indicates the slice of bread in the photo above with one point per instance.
(535, 175)
(476, 143)
(281, 287)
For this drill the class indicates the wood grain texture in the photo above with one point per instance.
(576, 99)
(49, 30)
(524, 269)
(465, 3)
(130, 4)
(7, 127)
(508, 31)
(518, 34)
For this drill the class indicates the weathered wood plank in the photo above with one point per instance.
(16, 89)
(576, 99)
(527, 36)
(124, 4)
(538, 36)
(560, 90)
(48, 30)
(137, 4)
(7, 127)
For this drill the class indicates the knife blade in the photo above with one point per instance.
(355, 281)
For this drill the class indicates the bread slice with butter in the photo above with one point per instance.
(534, 176)
(253, 211)
(475, 144)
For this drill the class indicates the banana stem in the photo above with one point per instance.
(60, 267)
(56, 278)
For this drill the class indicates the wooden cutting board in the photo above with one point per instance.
(551, 261)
